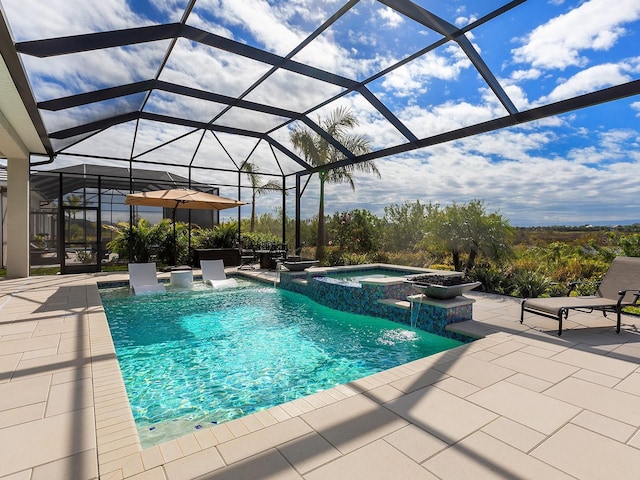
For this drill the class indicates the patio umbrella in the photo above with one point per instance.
(181, 198)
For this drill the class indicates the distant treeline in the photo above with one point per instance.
(570, 234)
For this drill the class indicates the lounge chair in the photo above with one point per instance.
(143, 279)
(213, 274)
(619, 288)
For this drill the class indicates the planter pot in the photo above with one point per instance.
(443, 292)
(442, 287)
(299, 265)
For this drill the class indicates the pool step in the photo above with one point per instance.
(394, 302)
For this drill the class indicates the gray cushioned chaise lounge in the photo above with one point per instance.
(619, 288)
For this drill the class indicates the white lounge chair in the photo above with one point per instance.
(143, 279)
(213, 274)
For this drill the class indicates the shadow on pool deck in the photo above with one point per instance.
(519, 403)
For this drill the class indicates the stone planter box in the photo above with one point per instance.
(230, 256)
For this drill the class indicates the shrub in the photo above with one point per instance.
(259, 241)
(492, 278)
(135, 243)
(224, 235)
(441, 266)
(86, 257)
(355, 259)
(528, 283)
(419, 258)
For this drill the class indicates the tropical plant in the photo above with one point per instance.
(259, 241)
(133, 242)
(529, 284)
(72, 202)
(173, 250)
(468, 230)
(492, 278)
(319, 152)
(257, 188)
(224, 235)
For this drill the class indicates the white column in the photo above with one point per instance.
(17, 218)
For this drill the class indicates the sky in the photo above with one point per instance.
(577, 168)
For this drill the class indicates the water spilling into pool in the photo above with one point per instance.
(194, 358)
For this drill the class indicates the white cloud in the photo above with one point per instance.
(413, 78)
(588, 80)
(390, 17)
(56, 18)
(519, 185)
(266, 24)
(594, 25)
(530, 172)
(530, 74)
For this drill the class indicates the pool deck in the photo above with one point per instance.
(520, 402)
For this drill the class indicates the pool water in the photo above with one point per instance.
(194, 358)
(356, 276)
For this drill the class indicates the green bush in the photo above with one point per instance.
(417, 258)
(258, 241)
(86, 257)
(528, 283)
(224, 235)
(135, 243)
(356, 231)
(355, 259)
(491, 277)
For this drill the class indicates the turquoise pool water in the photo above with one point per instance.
(354, 277)
(193, 358)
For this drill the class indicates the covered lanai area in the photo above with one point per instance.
(204, 90)
(201, 88)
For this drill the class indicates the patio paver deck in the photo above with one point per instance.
(520, 402)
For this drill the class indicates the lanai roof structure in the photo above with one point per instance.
(210, 85)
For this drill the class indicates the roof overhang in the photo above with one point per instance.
(22, 131)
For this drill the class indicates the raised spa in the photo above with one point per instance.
(380, 290)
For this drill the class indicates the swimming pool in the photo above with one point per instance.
(356, 277)
(192, 358)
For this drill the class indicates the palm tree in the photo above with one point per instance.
(257, 188)
(319, 152)
(72, 201)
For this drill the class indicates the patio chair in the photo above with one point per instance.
(143, 279)
(213, 274)
(619, 288)
(248, 258)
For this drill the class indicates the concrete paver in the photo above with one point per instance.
(588, 455)
(520, 402)
(482, 456)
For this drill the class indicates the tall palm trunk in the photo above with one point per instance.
(319, 152)
(253, 212)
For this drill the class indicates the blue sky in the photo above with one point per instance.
(576, 168)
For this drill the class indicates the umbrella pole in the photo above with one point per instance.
(175, 239)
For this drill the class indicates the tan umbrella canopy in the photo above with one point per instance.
(181, 198)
